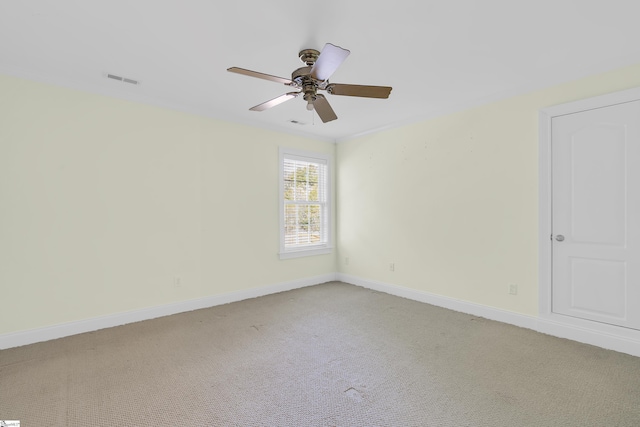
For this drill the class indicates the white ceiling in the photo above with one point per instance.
(439, 56)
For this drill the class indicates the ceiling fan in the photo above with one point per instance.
(314, 76)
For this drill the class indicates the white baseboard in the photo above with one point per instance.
(47, 333)
(479, 310)
(625, 341)
(618, 339)
(606, 336)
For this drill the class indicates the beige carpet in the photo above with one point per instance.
(328, 355)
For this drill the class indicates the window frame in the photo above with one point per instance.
(322, 248)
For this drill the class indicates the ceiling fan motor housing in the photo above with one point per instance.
(302, 77)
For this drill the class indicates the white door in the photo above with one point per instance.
(596, 214)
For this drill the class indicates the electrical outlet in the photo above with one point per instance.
(513, 289)
(177, 282)
(392, 266)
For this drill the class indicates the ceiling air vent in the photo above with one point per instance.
(297, 122)
(123, 79)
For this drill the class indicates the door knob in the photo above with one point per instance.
(559, 237)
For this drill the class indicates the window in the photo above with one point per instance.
(305, 214)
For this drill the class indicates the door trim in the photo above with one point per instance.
(545, 216)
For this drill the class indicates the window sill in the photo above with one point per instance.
(305, 252)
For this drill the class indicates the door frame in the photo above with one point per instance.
(604, 335)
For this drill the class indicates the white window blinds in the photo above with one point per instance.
(304, 202)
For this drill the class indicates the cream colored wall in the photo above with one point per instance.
(453, 201)
(104, 201)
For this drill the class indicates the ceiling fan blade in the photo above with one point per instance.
(324, 110)
(359, 90)
(260, 75)
(328, 62)
(275, 101)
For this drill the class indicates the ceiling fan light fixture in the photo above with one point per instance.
(310, 95)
